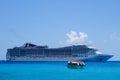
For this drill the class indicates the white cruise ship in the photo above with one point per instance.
(31, 52)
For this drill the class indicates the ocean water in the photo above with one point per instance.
(59, 71)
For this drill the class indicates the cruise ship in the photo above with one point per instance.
(32, 52)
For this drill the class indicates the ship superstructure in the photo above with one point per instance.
(31, 52)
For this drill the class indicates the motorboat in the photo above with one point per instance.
(75, 64)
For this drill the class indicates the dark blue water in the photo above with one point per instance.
(59, 71)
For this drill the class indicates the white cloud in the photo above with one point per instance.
(90, 42)
(76, 38)
(115, 36)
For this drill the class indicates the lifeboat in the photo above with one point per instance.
(75, 64)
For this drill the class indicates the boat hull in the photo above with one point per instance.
(93, 58)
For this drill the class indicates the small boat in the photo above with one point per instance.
(75, 64)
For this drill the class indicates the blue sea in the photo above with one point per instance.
(59, 71)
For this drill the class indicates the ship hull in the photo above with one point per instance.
(93, 58)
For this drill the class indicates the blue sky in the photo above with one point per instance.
(47, 22)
